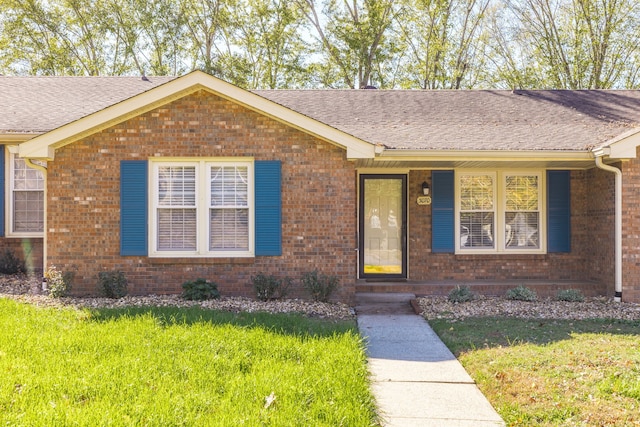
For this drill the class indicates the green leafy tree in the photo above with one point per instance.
(267, 49)
(352, 40)
(568, 44)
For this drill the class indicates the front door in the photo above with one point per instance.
(383, 226)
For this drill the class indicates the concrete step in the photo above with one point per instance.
(384, 303)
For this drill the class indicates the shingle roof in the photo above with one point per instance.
(397, 119)
(471, 119)
(38, 104)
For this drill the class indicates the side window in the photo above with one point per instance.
(26, 198)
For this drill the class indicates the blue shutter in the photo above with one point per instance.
(133, 207)
(442, 211)
(2, 189)
(268, 218)
(558, 211)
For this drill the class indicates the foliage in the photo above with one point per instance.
(174, 366)
(461, 294)
(10, 263)
(551, 372)
(320, 286)
(570, 295)
(268, 44)
(200, 290)
(521, 293)
(269, 287)
(112, 284)
(57, 284)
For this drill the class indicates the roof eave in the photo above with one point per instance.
(622, 147)
(484, 155)
(43, 146)
(11, 137)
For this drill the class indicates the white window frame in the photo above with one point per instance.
(9, 198)
(203, 206)
(500, 209)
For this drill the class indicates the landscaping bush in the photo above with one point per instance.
(112, 284)
(461, 294)
(521, 293)
(269, 287)
(10, 263)
(320, 286)
(200, 290)
(57, 286)
(570, 295)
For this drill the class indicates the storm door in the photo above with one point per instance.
(383, 226)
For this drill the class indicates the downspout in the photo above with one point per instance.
(618, 223)
(42, 169)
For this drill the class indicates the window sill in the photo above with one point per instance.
(199, 260)
(24, 236)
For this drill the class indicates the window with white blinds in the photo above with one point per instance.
(477, 211)
(499, 212)
(27, 198)
(522, 211)
(229, 208)
(203, 208)
(177, 220)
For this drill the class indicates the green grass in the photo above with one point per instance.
(552, 373)
(170, 367)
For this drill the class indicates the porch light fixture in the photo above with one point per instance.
(425, 188)
(425, 198)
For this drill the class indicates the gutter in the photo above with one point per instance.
(599, 154)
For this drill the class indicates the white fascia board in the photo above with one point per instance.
(483, 155)
(41, 146)
(16, 138)
(623, 146)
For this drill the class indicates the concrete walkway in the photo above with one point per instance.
(416, 380)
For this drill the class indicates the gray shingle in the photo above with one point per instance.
(471, 119)
(409, 119)
(42, 103)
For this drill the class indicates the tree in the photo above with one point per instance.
(150, 35)
(59, 37)
(570, 44)
(352, 39)
(269, 50)
(444, 40)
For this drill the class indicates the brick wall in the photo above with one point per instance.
(631, 229)
(574, 266)
(318, 203)
(27, 249)
(599, 242)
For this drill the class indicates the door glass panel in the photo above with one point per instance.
(382, 227)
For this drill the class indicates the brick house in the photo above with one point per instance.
(172, 179)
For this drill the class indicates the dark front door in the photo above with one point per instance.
(383, 228)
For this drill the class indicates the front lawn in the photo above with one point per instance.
(170, 366)
(551, 372)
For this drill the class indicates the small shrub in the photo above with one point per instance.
(200, 290)
(571, 295)
(57, 286)
(461, 294)
(270, 287)
(10, 263)
(521, 293)
(112, 284)
(320, 286)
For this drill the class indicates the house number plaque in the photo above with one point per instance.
(424, 200)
